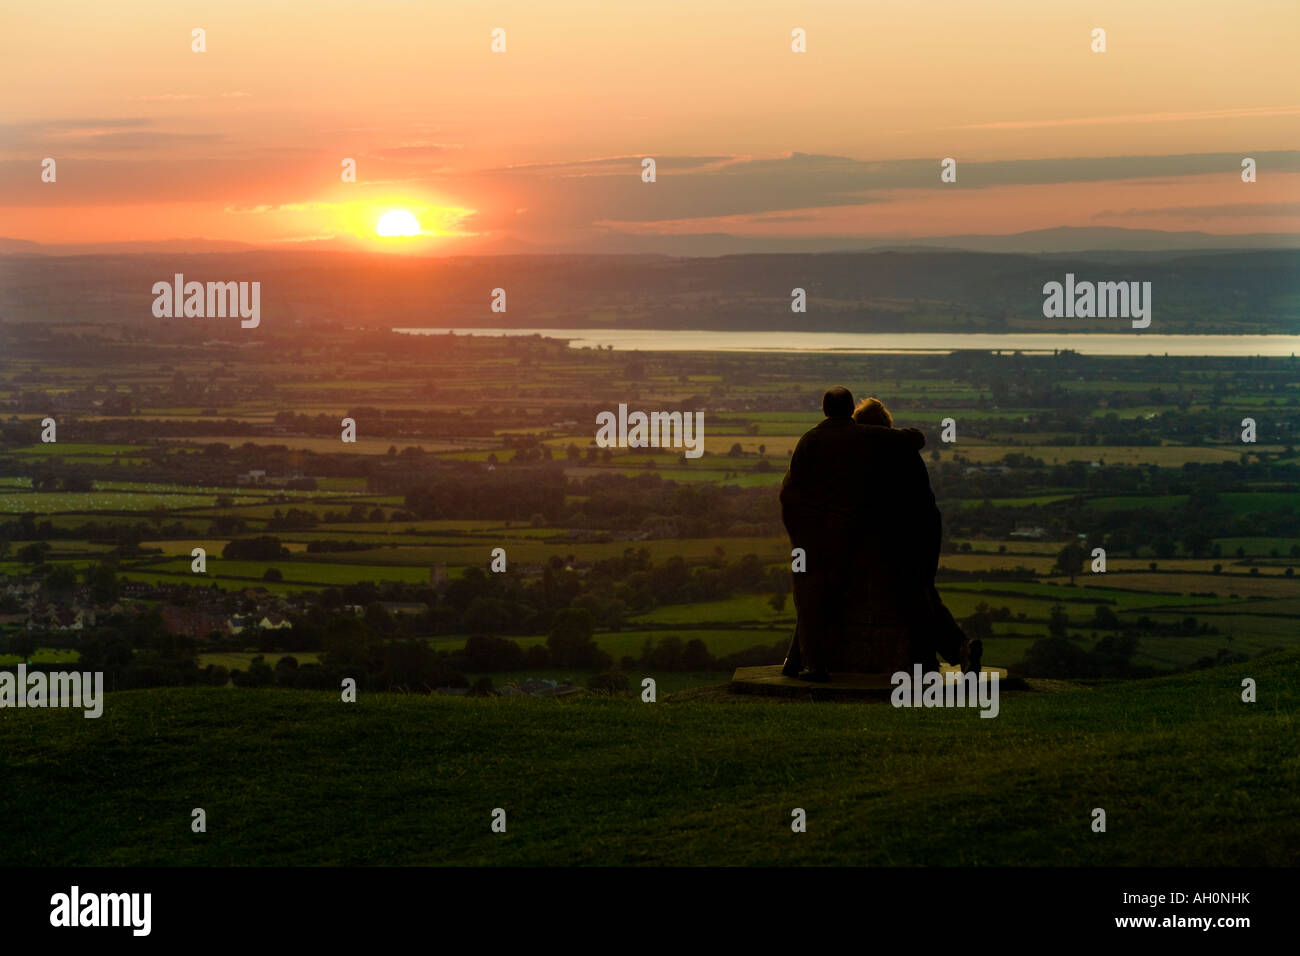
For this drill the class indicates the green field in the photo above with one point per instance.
(305, 572)
(1241, 502)
(405, 780)
(618, 644)
(749, 608)
(53, 502)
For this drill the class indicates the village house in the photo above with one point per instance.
(195, 623)
(269, 621)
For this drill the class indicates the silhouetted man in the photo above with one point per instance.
(823, 507)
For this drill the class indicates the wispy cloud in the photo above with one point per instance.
(1183, 117)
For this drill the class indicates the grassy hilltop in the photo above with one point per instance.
(1188, 775)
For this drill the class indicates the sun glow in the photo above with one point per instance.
(398, 222)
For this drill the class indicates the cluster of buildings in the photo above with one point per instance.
(23, 605)
(200, 623)
(28, 609)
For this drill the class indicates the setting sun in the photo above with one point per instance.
(398, 222)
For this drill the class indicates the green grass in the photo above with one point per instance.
(667, 682)
(53, 502)
(65, 448)
(995, 594)
(45, 655)
(1187, 774)
(1239, 502)
(744, 607)
(619, 644)
(1011, 502)
(1257, 547)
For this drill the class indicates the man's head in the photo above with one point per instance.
(872, 411)
(837, 402)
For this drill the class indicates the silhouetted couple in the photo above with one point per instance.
(857, 502)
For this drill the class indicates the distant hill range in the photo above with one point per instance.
(914, 289)
(1065, 239)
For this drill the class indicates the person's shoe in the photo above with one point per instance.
(816, 676)
(976, 657)
(789, 668)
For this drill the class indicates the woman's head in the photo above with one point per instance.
(872, 411)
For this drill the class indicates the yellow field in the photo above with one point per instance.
(363, 445)
(987, 562)
(716, 443)
(1164, 455)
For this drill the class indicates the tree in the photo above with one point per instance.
(378, 621)
(21, 644)
(259, 673)
(60, 582)
(979, 625)
(570, 641)
(107, 650)
(286, 670)
(491, 654)
(102, 583)
(777, 601)
(1103, 618)
(413, 664)
(487, 615)
(1058, 622)
(45, 480)
(1054, 657)
(1197, 542)
(696, 656)
(264, 547)
(1070, 560)
(34, 553)
(347, 645)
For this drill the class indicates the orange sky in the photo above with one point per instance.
(543, 142)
